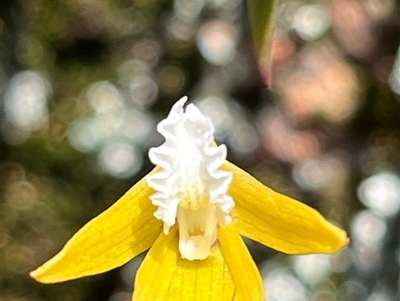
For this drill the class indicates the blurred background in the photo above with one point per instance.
(84, 82)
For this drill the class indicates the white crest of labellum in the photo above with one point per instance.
(191, 189)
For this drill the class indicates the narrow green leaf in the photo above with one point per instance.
(262, 20)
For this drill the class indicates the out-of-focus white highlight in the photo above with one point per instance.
(381, 193)
(25, 104)
(120, 159)
(83, 135)
(26, 100)
(312, 174)
(90, 134)
(283, 286)
(216, 41)
(368, 232)
(104, 97)
(394, 80)
(244, 139)
(368, 228)
(379, 296)
(311, 21)
(312, 268)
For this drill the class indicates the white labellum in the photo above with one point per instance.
(190, 188)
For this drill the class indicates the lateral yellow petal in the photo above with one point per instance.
(123, 231)
(165, 276)
(279, 221)
(244, 272)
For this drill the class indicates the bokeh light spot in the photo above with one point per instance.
(83, 135)
(25, 104)
(104, 97)
(381, 193)
(216, 41)
(120, 159)
(311, 21)
(394, 79)
(312, 268)
(368, 228)
(283, 286)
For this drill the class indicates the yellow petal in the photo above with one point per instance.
(109, 240)
(279, 221)
(244, 272)
(165, 276)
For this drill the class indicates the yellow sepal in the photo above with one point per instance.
(244, 272)
(109, 240)
(279, 221)
(165, 276)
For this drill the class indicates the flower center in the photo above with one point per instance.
(190, 187)
(197, 231)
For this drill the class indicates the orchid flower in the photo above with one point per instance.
(191, 211)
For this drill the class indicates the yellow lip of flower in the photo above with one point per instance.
(199, 255)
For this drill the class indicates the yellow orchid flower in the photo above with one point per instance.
(190, 211)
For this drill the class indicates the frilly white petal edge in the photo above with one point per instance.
(190, 166)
